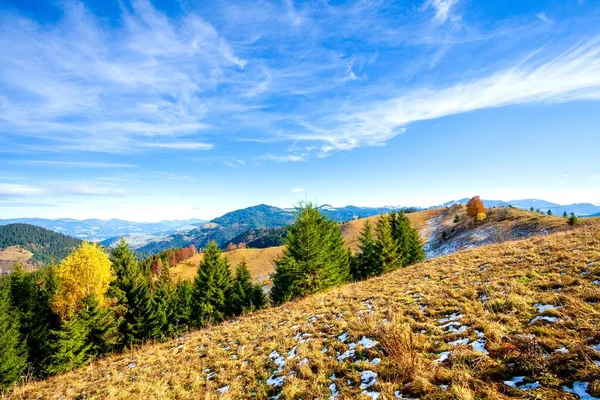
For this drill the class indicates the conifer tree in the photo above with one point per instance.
(134, 295)
(366, 263)
(13, 353)
(163, 302)
(387, 246)
(259, 299)
(211, 286)
(415, 252)
(314, 257)
(183, 305)
(31, 295)
(240, 297)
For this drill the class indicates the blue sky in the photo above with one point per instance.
(169, 110)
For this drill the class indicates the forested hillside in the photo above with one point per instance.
(47, 246)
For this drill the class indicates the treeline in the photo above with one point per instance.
(153, 265)
(316, 258)
(93, 304)
(47, 246)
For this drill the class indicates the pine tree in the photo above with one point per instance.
(183, 305)
(259, 299)
(241, 293)
(565, 214)
(366, 263)
(415, 253)
(134, 296)
(387, 246)
(13, 353)
(573, 220)
(549, 212)
(31, 295)
(163, 302)
(314, 257)
(211, 286)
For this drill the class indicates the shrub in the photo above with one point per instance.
(481, 216)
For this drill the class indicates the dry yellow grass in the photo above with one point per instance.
(12, 255)
(260, 263)
(488, 298)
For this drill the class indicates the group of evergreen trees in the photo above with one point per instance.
(315, 257)
(394, 244)
(36, 336)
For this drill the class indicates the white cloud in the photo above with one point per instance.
(441, 7)
(9, 189)
(298, 190)
(285, 158)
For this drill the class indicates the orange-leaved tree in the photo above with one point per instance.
(87, 271)
(475, 207)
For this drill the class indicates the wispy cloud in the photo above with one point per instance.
(543, 17)
(570, 75)
(284, 157)
(298, 190)
(181, 145)
(441, 8)
(9, 189)
(75, 164)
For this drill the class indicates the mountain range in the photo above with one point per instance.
(580, 209)
(95, 230)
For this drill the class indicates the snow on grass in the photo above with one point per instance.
(223, 390)
(443, 356)
(542, 308)
(367, 343)
(367, 379)
(275, 381)
(562, 350)
(375, 361)
(580, 389)
(343, 337)
(346, 354)
(451, 317)
(459, 341)
(543, 318)
(514, 381)
(277, 359)
(479, 344)
(334, 391)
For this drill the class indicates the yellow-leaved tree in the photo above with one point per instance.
(86, 271)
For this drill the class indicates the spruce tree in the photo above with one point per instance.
(133, 295)
(163, 303)
(415, 252)
(211, 285)
(259, 299)
(241, 293)
(31, 295)
(366, 263)
(314, 257)
(183, 305)
(387, 246)
(13, 353)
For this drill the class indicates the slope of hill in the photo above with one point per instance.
(96, 230)
(513, 320)
(32, 245)
(580, 209)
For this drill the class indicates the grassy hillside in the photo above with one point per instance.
(512, 320)
(45, 246)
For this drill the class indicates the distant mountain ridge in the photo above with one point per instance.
(580, 209)
(94, 230)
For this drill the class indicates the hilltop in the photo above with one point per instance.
(516, 319)
(32, 246)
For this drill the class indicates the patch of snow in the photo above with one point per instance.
(275, 381)
(367, 343)
(580, 389)
(451, 317)
(562, 350)
(346, 354)
(343, 337)
(292, 352)
(444, 387)
(514, 381)
(223, 390)
(542, 308)
(443, 356)
(334, 391)
(597, 282)
(543, 318)
(375, 361)
(459, 341)
(367, 379)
